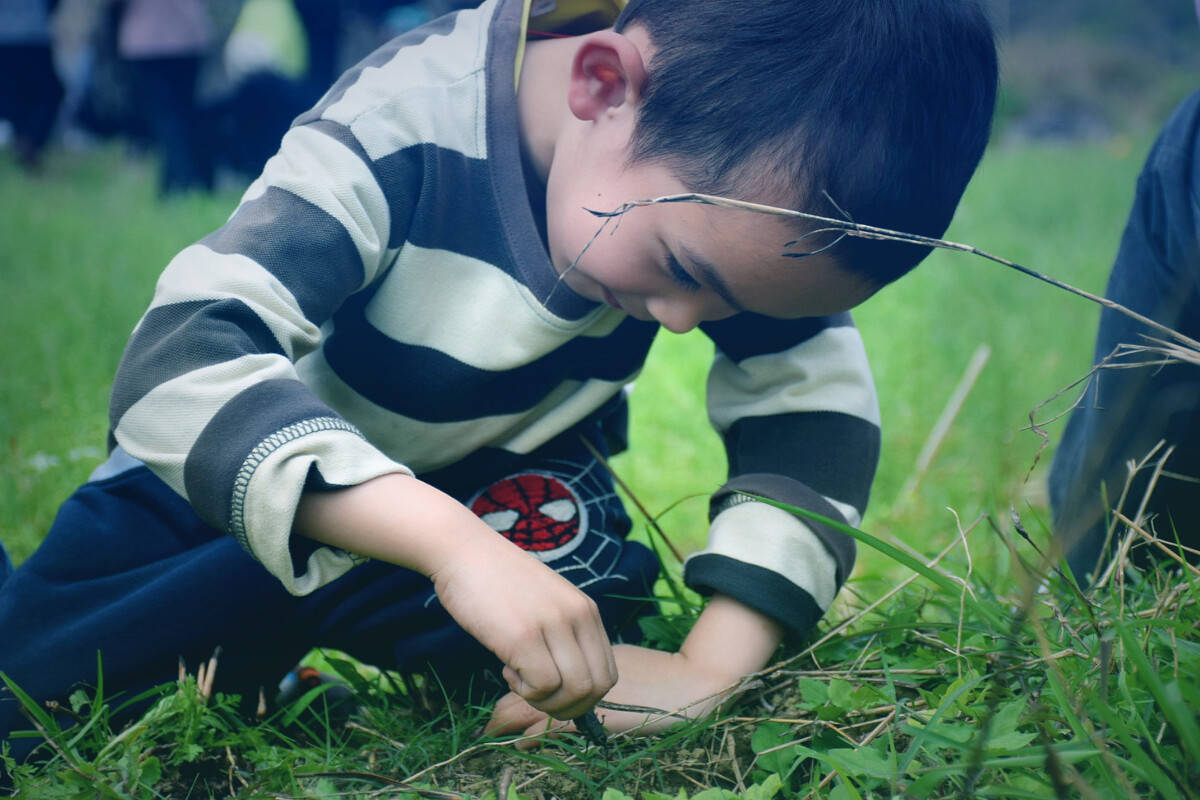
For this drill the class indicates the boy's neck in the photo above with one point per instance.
(542, 102)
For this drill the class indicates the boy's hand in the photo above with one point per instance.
(728, 642)
(649, 678)
(546, 631)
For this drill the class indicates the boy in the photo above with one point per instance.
(394, 349)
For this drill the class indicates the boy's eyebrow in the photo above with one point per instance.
(713, 279)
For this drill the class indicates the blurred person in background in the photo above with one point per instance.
(30, 89)
(164, 43)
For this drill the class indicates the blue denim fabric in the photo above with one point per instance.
(1126, 412)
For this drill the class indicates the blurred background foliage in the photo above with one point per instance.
(1078, 69)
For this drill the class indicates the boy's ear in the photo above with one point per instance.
(607, 72)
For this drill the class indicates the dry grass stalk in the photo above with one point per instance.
(1122, 555)
(944, 422)
(848, 227)
(1157, 542)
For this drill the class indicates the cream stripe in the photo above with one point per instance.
(162, 426)
(416, 86)
(771, 538)
(198, 273)
(472, 311)
(428, 445)
(274, 490)
(322, 171)
(826, 373)
(849, 512)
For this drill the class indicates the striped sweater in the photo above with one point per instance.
(381, 302)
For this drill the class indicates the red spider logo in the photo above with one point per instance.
(536, 511)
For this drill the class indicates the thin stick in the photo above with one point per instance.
(404, 786)
(871, 232)
(1154, 540)
(733, 762)
(954, 405)
(625, 488)
(870, 737)
(355, 726)
(1123, 550)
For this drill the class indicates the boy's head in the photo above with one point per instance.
(883, 105)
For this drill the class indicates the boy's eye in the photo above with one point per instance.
(680, 275)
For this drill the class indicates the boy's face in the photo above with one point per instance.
(681, 263)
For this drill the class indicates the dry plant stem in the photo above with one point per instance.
(58, 749)
(629, 493)
(870, 737)
(405, 786)
(1123, 552)
(211, 675)
(733, 762)
(1154, 540)
(871, 232)
(504, 782)
(1112, 526)
(464, 753)
(944, 422)
(962, 599)
(355, 726)
(841, 626)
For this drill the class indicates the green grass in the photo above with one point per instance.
(962, 682)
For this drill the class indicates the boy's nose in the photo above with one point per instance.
(676, 314)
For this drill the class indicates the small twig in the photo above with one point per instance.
(433, 794)
(1123, 551)
(1154, 540)
(629, 493)
(355, 726)
(50, 740)
(954, 405)
(504, 782)
(206, 688)
(858, 230)
(733, 763)
(870, 737)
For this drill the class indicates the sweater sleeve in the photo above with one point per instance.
(207, 394)
(795, 405)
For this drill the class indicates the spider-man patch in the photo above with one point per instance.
(536, 511)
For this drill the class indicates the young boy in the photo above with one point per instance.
(397, 346)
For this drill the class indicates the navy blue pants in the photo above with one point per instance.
(1125, 412)
(130, 570)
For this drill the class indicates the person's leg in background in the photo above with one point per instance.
(166, 88)
(1127, 411)
(30, 96)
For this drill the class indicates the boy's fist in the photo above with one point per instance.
(546, 631)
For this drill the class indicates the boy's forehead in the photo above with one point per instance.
(745, 257)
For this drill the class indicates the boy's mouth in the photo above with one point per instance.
(611, 300)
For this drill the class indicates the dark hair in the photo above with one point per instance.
(883, 105)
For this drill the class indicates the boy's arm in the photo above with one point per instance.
(795, 405)
(729, 641)
(546, 631)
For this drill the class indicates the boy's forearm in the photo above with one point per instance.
(731, 638)
(393, 518)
